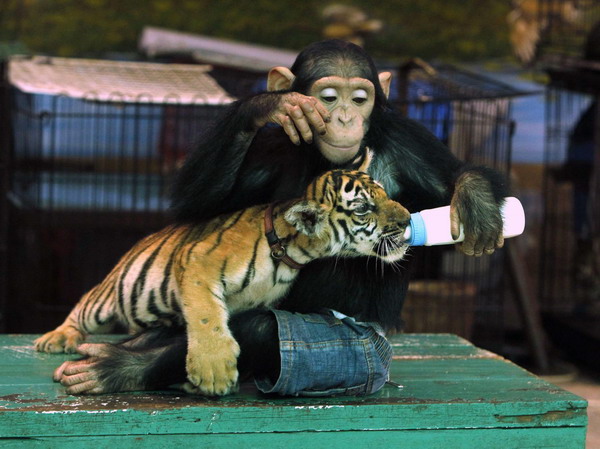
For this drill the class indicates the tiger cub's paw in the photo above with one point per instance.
(190, 388)
(61, 339)
(212, 370)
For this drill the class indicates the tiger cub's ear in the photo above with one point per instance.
(307, 217)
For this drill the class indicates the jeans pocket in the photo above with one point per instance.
(321, 318)
(355, 390)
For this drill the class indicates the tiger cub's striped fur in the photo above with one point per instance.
(197, 274)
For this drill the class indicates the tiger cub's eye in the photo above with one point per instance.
(362, 209)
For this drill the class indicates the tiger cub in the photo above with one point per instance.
(197, 274)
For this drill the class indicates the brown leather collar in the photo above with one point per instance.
(277, 249)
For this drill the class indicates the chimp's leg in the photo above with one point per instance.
(155, 358)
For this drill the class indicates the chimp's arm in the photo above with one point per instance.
(241, 162)
(211, 170)
(419, 171)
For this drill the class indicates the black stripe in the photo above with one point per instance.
(219, 297)
(155, 310)
(286, 281)
(336, 235)
(122, 273)
(251, 270)
(103, 299)
(140, 282)
(324, 188)
(175, 303)
(349, 186)
(365, 229)
(193, 234)
(139, 285)
(344, 225)
(223, 270)
(175, 252)
(225, 229)
(95, 296)
(152, 306)
(307, 253)
(341, 209)
(164, 285)
(98, 296)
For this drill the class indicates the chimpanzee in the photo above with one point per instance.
(324, 112)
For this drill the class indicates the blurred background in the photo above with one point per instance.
(454, 29)
(102, 99)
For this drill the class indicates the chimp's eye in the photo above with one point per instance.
(329, 95)
(362, 209)
(360, 96)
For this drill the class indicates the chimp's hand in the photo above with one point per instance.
(474, 206)
(297, 114)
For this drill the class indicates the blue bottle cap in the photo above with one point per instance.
(418, 233)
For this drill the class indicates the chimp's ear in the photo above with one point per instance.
(385, 79)
(307, 217)
(280, 78)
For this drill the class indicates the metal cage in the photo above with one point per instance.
(90, 166)
(564, 26)
(570, 247)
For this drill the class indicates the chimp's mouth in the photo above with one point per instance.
(342, 147)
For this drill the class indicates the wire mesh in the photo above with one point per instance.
(564, 26)
(572, 144)
(76, 156)
(570, 256)
(88, 179)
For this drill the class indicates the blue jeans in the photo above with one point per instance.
(328, 353)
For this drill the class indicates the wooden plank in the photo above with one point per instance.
(182, 415)
(556, 438)
(271, 416)
(447, 383)
(435, 345)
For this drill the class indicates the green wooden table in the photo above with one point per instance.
(452, 395)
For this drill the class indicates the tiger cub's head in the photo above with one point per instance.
(354, 216)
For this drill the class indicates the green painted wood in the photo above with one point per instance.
(434, 345)
(452, 393)
(557, 438)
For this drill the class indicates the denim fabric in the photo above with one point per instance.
(328, 353)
